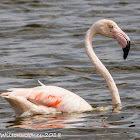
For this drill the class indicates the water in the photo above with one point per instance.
(44, 40)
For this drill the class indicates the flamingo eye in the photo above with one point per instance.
(110, 26)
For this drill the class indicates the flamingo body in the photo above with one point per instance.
(44, 100)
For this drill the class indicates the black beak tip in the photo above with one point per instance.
(126, 50)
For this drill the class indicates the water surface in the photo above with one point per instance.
(44, 40)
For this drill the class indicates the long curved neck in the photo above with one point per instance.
(100, 67)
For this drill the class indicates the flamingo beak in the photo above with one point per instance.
(126, 50)
(122, 39)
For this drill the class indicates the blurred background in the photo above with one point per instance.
(44, 40)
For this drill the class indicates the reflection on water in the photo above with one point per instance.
(41, 122)
(44, 40)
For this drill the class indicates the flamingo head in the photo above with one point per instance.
(110, 29)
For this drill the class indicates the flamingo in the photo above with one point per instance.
(52, 99)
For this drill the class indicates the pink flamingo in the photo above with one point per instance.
(51, 99)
